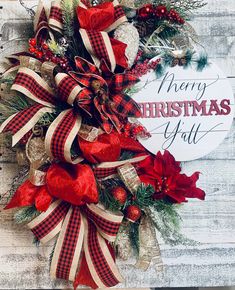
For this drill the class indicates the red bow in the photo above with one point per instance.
(95, 23)
(109, 104)
(82, 225)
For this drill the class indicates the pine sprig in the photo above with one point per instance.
(202, 62)
(144, 196)
(105, 197)
(167, 221)
(134, 236)
(10, 107)
(26, 214)
(67, 7)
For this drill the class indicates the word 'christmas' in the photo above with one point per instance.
(185, 108)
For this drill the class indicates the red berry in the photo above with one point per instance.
(46, 58)
(39, 54)
(32, 49)
(63, 65)
(161, 11)
(45, 46)
(120, 194)
(33, 41)
(133, 213)
(146, 11)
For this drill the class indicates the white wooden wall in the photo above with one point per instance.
(212, 263)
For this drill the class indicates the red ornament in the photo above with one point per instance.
(161, 11)
(120, 194)
(133, 213)
(146, 11)
(33, 41)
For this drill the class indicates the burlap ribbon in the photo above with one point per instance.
(81, 229)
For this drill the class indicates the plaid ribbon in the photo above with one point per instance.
(63, 130)
(80, 229)
(96, 38)
(44, 23)
(111, 105)
(86, 89)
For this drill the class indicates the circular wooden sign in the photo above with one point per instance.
(186, 112)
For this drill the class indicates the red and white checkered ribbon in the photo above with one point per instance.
(81, 229)
(97, 42)
(63, 130)
(45, 21)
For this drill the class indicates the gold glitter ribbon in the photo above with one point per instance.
(149, 247)
(129, 176)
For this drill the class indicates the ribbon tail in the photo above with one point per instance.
(61, 134)
(55, 21)
(100, 262)
(41, 26)
(48, 224)
(21, 123)
(69, 246)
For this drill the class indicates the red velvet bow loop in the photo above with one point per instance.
(95, 23)
(99, 17)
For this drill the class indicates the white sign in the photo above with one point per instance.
(186, 112)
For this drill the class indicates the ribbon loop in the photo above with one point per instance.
(61, 134)
(95, 23)
(48, 224)
(80, 228)
(107, 223)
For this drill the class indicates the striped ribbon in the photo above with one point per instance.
(45, 21)
(97, 42)
(81, 229)
(63, 130)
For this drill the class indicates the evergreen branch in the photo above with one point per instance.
(167, 221)
(134, 236)
(202, 62)
(144, 196)
(68, 17)
(36, 241)
(26, 214)
(105, 197)
(126, 155)
(9, 107)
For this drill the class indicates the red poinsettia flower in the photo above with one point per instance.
(163, 173)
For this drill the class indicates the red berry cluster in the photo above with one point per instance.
(143, 68)
(135, 130)
(149, 11)
(45, 54)
(174, 16)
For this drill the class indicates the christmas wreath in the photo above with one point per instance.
(85, 178)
